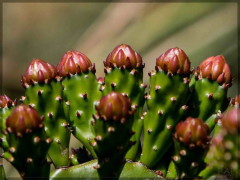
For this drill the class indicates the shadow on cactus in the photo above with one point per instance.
(188, 130)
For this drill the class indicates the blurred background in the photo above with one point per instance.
(48, 30)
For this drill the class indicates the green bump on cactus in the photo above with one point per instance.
(124, 74)
(224, 151)
(44, 92)
(25, 129)
(166, 104)
(114, 117)
(209, 89)
(80, 94)
(191, 144)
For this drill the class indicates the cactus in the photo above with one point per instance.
(124, 74)
(80, 94)
(24, 128)
(86, 170)
(44, 92)
(209, 88)
(166, 103)
(114, 117)
(2, 173)
(223, 156)
(185, 133)
(6, 107)
(190, 145)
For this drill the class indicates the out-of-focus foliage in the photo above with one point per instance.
(48, 30)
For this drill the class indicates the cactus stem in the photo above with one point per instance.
(12, 149)
(37, 139)
(111, 129)
(149, 131)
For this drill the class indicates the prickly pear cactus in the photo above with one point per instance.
(182, 134)
(28, 144)
(80, 94)
(223, 156)
(190, 146)
(114, 117)
(209, 88)
(166, 103)
(6, 107)
(43, 91)
(124, 74)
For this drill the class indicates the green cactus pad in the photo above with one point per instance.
(47, 99)
(166, 106)
(129, 82)
(207, 100)
(81, 94)
(86, 170)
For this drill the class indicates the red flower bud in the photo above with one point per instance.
(6, 102)
(23, 119)
(74, 62)
(216, 69)
(174, 61)
(38, 71)
(192, 131)
(114, 106)
(124, 56)
(231, 120)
